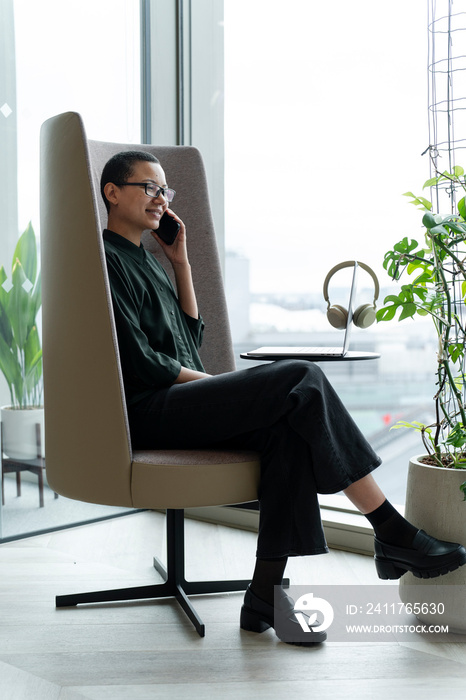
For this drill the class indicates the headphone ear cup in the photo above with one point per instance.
(364, 316)
(337, 316)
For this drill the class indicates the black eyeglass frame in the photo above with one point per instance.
(167, 192)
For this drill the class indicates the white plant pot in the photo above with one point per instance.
(19, 432)
(434, 503)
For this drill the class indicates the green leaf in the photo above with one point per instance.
(5, 326)
(11, 368)
(36, 299)
(20, 352)
(455, 350)
(3, 278)
(457, 227)
(393, 298)
(430, 183)
(420, 202)
(422, 294)
(409, 310)
(457, 436)
(423, 279)
(462, 207)
(459, 382)
(415, 425)
(404, 302)
(406, 245)
(416, 264)
(386, 314)
(26, 253)
(458, 171)
(18, 305)
(32, 361)
(430, 220)
(439, 229)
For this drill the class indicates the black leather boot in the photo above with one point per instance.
(426, 558)
(257, 616)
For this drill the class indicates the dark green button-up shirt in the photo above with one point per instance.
(155, 336)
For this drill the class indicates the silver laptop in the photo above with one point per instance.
(317, 353)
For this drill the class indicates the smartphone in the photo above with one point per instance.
(168, 229)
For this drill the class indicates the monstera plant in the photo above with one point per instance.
(436, 486)
(20, 347)
(437, 267)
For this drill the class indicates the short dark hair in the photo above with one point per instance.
(120, 167)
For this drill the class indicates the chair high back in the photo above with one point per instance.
(85, 414)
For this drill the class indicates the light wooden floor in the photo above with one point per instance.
(145, 650)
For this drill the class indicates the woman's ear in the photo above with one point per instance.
(111, 192)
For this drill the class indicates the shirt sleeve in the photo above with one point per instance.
(195, 325)
(196, 329)
(142, 366)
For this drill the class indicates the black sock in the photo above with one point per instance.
(390, 527)
(267, 574)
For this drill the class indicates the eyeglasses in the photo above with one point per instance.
(151, 190)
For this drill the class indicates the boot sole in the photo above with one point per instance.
(251, 621)
(390, 569)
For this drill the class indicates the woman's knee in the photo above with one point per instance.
(300, 370)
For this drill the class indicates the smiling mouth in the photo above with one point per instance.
(156, 213)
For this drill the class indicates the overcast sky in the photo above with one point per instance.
(326, 120)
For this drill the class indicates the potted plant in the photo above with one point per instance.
(436, 488)
(20, 349)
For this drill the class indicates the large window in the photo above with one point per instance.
(325, 123)
(66, 61)
(58, 57)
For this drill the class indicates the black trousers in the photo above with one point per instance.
(289, 413)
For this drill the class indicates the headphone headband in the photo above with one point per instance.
(351, 263)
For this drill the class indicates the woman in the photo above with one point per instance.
(286, 410)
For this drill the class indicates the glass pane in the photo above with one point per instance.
(83, 58)
(325, 121)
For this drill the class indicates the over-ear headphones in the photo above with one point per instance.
(337, 315)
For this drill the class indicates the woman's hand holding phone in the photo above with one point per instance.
(171, 236)
(177, 254)
(168, 229)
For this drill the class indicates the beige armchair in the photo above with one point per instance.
(88, 447)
